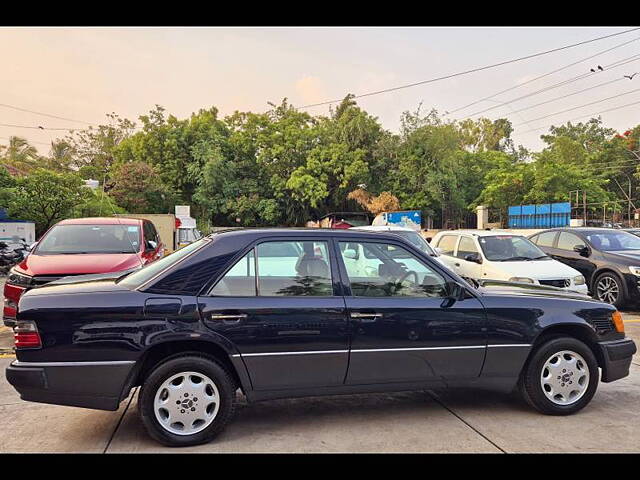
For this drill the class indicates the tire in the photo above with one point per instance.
(543, 390)
(172, 395)
(604, 286)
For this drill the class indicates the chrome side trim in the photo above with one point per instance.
(510, 345)
(18, 363)
(369, 350)
(269, 354)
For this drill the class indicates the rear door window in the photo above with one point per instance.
(447, 244)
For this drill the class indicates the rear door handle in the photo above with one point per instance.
(228, 317)
(365, 317)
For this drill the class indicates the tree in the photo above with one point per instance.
(46, 197)
(137, 187)
(20, 154)
(96, 203)
(385, 202)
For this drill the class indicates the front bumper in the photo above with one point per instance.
(96, 385)
(616, 358)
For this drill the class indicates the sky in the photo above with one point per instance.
(84, 73)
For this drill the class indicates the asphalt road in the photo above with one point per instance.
(447, 421)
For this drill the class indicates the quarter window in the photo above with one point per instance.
(545, 239)
(240, 281)
(447, 244)
(389, 271)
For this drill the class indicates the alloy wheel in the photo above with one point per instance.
(186, 403)
(564, 377)
(607, 290)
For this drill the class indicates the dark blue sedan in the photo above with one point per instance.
(283, 313)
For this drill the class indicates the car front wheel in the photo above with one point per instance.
(561, 376)
(608, 288)
(186, 401)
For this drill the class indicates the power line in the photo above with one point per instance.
(37, 127)
(543, 75)
(445, 77)
(582, 116)
(569, 95)
(43, 114)
(616, 64)
(579, 106)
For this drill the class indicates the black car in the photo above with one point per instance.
(609, 259)
(283, 313)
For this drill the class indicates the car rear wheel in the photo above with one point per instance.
(186, 401)
(561, 376)
(608, 288)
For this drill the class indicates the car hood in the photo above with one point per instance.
(77, 264)
(498, 287)
(633, 255)
(536, 269)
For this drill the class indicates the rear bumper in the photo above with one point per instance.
(616, 358)
(96, 385)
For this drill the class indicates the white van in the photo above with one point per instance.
(495, 255)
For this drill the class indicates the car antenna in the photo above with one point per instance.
(104, 181)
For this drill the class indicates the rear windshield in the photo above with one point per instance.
(139, 277)
(77, 239)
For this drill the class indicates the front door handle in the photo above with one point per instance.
(365, 317)
(228, 317)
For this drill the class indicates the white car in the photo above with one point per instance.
(495, 255)
(408, 234)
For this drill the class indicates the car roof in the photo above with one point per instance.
(480, 233)
(101, 221)
(581, 229)
(384, 228)
(303, 232)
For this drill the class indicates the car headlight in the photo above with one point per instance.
(521, 279)
(579, 280)
(15, 278)
(635, 270)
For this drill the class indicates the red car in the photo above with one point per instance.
(81, 246)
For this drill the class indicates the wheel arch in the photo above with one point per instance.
(579, 331)
(164, 351)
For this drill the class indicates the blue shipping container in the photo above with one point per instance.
(546, 215)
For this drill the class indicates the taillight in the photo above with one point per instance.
(12, 294)
(26, 335)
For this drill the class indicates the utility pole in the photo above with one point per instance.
(584, 208)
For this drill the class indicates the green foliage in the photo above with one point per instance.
(137, 187)
(46, 197)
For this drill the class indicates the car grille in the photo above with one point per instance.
(602, 324)
(560, 282)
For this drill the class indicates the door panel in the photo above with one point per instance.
(280, 305)
(405, 330)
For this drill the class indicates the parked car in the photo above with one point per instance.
(408, 234)
(81, 246)
(608, 259)
(495, 255)
(193, 327)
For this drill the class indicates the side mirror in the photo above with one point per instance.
(582, 250)
(473, 257)
(438, 250)
(350, 253)
(455, 293)
(151, 245)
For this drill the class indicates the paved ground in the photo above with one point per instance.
(453, 421)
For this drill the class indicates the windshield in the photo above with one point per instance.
(416, 240)
(503, 248)
(355, 220)
(611, 241)
(76, 239)
(137, 278)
